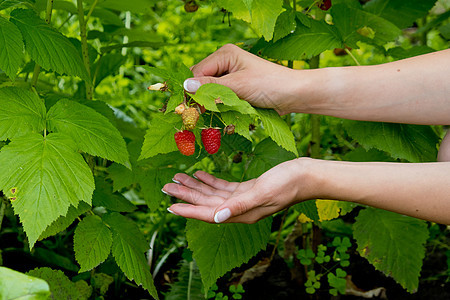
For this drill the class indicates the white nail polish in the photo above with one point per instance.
(166, 193)
(222, 215)
(168, 209)
(176, 181)
(191, 85)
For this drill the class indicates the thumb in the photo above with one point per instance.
(234, 207)
(191, 85)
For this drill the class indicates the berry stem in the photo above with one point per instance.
(352, 56)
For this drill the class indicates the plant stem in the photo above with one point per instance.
(352, 56)
(279, 233)
(191, 270)
(84, 47)
(90, 11)
(37, 68)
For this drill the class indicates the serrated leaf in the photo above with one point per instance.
(128, 250)
(92, 132)
(285, 25)
(392, 243)
(107, 65)
(277, 129)
(11, 52)
(65, 221)
(188, 284)
(4, 4)
(401, 13)
(240, 121)
(305, 42)
(218, 248)
(349, 20)
(160, 135)
(416, 143)
(16, 285)
(211, 93)
(360, 154)
(308, 209)
(47, 46)
(92, 243)
(135, 6)
(60, 285)
(21, 112)
(328, 209)
(401, 53)
(152, 181)
(48, 175)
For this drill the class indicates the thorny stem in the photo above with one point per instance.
(84, 47)
(37, 68)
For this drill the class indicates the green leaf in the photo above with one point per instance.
(160, 135)
(11, 52)
(360, 154)
(104, 196)
(107, 65)
(152, 181)
(92, 243)
(349, 20)
(45, 176)
(277, 129)
(285, 25)
(401, 53)
(16, 285)
(266, 155)
(240, 121)
(47, 46)
(416, 143)
(135, 6)
(4, 4)
(128, 250)
(218, 248)
(188, 284)
(260, 13)
(52, 258)
(92, 132)
(392, 243)
(308, 208)
(305, 42)
(401, 13)
(65, 221)
(60, 286)
(21, 112)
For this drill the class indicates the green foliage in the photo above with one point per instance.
(393, 243)
(415, 143)
(92, 242)
(217, 248)
(57, 178)
(61, 287)
(337, 282)
(188, 284)
(11, 54)
(16, 285)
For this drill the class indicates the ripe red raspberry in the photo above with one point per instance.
(211, 140)
(185, 142)
(190, 117)
(325, 5)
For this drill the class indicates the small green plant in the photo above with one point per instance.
(236, 291)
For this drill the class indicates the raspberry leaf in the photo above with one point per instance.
(57, 177)
(11, 52)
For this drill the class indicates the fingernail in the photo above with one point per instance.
(166, 193)
(168, 209)
(191, 85)
(176, 181)
(222, 215)
(193, 175)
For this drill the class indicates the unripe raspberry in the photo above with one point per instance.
(190, 117)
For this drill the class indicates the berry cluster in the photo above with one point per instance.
(185, 139)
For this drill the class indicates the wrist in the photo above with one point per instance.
(308, 179)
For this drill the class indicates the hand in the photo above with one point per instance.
(258, 81)
(215, 200)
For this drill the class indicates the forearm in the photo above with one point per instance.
(415, 90)
(418, 190)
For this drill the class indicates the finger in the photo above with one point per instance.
(192, 183)
(218, 63)
(215, 182)
(191, 85)
(191, 196)
(237, 206)
(202, 213)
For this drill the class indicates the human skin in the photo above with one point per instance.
(414, 90)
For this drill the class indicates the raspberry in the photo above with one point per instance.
(190, 117)
(325, 5)
(185, 142)
(211, 140)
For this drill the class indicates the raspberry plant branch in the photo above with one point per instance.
(84, 47)
(352, 56)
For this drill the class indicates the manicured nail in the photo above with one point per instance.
(168, 209)
(193, 175)
(191, 85)
(176, 181)
(222, 215)
(166, 193)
